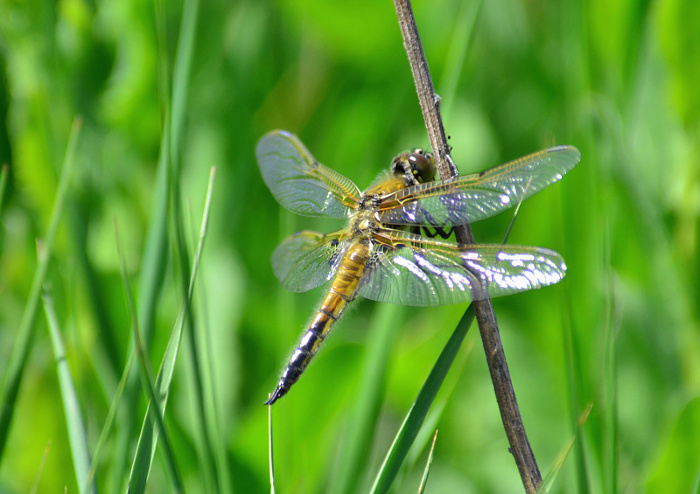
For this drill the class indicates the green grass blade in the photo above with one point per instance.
(40, 470)
(363, 421)
(464, 29)
(98, 298)
(432, 419)
(271, 452)
(156, 253)
(575, 378)
(181, 79)
(205, 427)
(150, 284)
(217, 443)
(678, 466)
(3, 183)
(549, 478)
(71, 407)
(148, 438)
(413, 421)
(23, 343)
(424, 479)
(111, 415)
(612, 418)
(141, 470)
(203, 432)
(548, 481)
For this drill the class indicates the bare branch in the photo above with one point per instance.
(485, 315)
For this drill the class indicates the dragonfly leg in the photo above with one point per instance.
(438, 231)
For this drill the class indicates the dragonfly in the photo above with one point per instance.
(389, 250)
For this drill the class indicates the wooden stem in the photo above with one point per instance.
(485, 315)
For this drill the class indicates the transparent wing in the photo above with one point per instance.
(299, 182)
(308, 259)
(408, 269)
(474, 197)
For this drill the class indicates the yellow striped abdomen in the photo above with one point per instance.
(342, 292)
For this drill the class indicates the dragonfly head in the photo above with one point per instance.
(414, 167)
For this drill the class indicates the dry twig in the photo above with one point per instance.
(485, 316)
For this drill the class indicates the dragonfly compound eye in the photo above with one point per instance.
(415, 167)
(422, 165)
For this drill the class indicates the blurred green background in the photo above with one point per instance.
(619, 336)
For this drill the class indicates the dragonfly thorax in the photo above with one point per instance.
(366, 220)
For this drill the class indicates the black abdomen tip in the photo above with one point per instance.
(278, 393)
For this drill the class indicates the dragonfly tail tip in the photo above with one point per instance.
(276, 395)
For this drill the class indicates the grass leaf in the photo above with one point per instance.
(23, 342)
(414, 419)
(148, 438)
(424, 479)
(141, 467)
(363, 420)
(74, 418)
(3, 183)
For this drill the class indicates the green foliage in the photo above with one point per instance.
(166, 90)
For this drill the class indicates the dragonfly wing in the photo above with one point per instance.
(408, 269)
(474, 197)
(308, 259)
(299, 182)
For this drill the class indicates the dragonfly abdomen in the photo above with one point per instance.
(342, 292)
